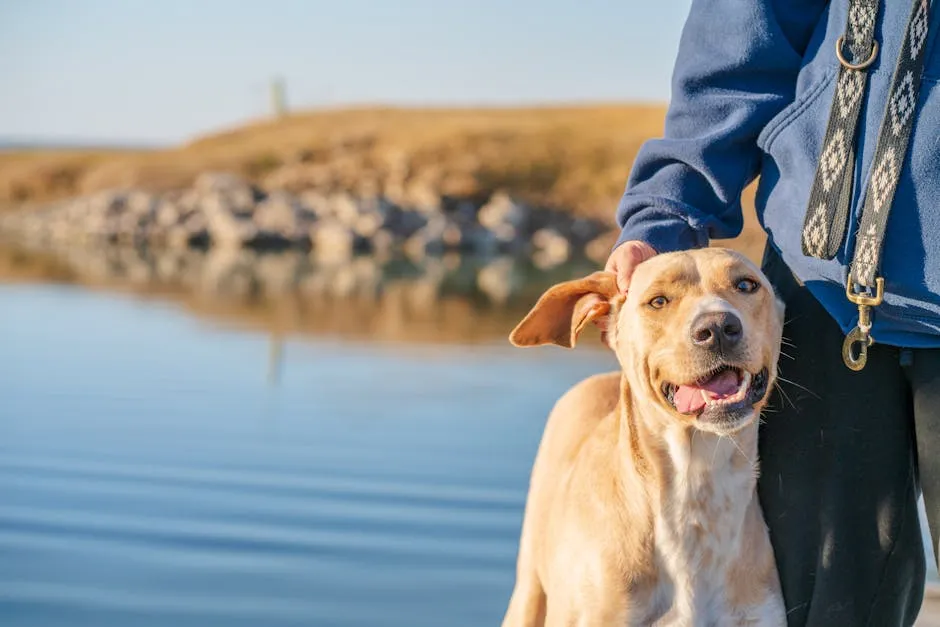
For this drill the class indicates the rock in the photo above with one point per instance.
(382, 244)
(280, 216)
(403, 223)
(478, 240)
(314, 202)
(442, 234)
(422, 196)
(552, 248)
(167, 214)
(430, 239)
(225, 210)
(231, 231)
(343, 207)
(501, 210)
(507, 237)
(191, 231)
(452, 236)
(140, 203)
(332, 240)
(368, 224)
(225, 225)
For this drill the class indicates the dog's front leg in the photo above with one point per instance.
(527, 604)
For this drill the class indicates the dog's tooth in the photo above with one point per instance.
(708, 401)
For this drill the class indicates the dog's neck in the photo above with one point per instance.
(700, 486)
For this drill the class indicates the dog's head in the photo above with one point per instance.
(698, 335)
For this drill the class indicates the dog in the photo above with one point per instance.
(642, 506)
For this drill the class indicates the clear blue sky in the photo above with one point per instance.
(165, 70)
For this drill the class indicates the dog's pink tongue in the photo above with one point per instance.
(688, 398)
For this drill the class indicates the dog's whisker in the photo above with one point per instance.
(802, 387)
(784, 394)
(715, 452)
(740, 450)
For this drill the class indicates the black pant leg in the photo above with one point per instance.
(925, 382)
(837, 476)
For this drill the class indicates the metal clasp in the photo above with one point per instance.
(855, 357)
(856, 66)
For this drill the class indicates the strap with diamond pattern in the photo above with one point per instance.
(893, 139)
(828, 209)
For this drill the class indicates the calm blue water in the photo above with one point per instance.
(154, 471)
(160, 470)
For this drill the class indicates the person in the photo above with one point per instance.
(845, 452)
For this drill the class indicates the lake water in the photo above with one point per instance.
(196, 459)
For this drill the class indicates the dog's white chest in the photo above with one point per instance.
(698, 538)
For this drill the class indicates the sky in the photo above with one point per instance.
(162, 71)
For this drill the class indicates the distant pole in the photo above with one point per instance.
(278, 98)
(275, 359)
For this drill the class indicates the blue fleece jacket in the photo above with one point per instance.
(752, 88)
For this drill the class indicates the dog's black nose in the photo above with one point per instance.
(717, 330)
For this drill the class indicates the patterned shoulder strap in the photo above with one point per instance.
(827, 215)
(896, 127)
(831, 194)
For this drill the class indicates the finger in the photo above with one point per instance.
(624, 273)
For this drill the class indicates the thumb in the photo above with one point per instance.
(625, 273)
(622, 267)
(624, 261)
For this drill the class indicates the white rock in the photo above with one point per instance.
(331, 240)
(281, 215)
(552, 248)
(502, 210)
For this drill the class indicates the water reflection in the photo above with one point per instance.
(434, 299)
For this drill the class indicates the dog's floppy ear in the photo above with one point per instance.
(565, 309)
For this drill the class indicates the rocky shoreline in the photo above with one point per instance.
(225, 211)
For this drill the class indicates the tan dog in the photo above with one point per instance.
(642, 507)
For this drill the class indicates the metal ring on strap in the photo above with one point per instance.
(856, 66)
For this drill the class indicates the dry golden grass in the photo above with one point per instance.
(577, 157)
(573, 158)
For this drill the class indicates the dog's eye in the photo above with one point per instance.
(747, 286)
(659, 302)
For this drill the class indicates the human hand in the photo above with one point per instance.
(625, 258)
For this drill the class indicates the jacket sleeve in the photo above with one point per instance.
(737, 68)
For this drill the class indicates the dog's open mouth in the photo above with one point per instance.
(726, 387)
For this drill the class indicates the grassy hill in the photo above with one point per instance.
(573, 158)
(576, 158)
